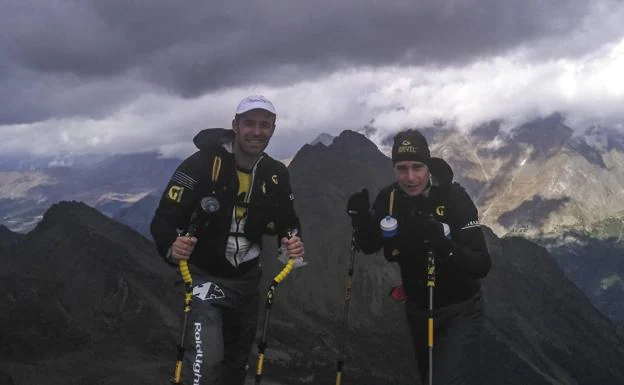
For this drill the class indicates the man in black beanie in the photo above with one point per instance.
(422, 211)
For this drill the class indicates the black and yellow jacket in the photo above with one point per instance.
(457, 279)
(211, 171)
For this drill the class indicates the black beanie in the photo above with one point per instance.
(410, 145)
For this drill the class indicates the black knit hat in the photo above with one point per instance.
(410, 145)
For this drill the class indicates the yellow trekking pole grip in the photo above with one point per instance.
(186, 274)
(289, 265)
(285, 271)
(269, 303)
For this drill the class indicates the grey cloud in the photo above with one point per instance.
(295, 41)
(198, 46)
(28, 96)
(63, 37)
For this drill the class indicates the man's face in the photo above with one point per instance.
(253, 131)
(413, 177)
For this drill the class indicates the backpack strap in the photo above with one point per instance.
(216, 168)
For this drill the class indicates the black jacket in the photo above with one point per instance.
(270, 208)
(456, 280)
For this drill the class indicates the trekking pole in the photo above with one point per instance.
(188, 282)
(269, 302)
(188, 295)
(340, 360)
(208, 206)
(430, 287)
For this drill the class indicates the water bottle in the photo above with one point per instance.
(389, 226)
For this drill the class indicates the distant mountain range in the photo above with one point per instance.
(85, 299)
(110, 185)
(539, 177)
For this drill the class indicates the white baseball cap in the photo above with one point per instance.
(253, 102)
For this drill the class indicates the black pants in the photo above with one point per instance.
(221, 329)
(456, 343)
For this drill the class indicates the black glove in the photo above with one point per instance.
(431, 229)
(433, 233)
(358, 205)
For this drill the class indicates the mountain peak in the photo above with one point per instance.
(349, 147)
(324, 139)
(546, 135)
(351, 142)
(66, 211)
(77, 220)
(96, 281)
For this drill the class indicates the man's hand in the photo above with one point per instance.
(432, 230)
(437, 234)
(358, 205)
(183, 247)
(293, 246)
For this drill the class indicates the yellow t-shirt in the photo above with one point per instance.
(244, 184)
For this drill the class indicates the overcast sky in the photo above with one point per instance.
(99, 76)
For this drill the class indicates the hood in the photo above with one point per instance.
(441, 171)
(213, 137)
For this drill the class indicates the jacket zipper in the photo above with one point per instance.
(246, 200)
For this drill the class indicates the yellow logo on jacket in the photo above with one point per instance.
(175, 193)
(440, 210)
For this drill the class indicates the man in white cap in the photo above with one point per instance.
(232, 192)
